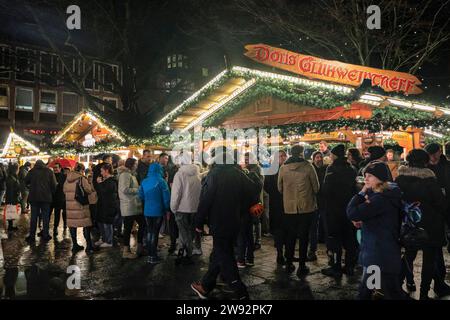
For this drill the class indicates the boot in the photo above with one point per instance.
(127, 254)
(335, 270)
(424, 294)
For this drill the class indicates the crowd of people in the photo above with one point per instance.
(353, 203)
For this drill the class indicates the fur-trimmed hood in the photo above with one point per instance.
(422, 173)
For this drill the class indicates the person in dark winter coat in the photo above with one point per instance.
(338, 188)
(376, 209)
(276, 209)
(59, 199)
(142, 167)
(23, 171)
(441, 168)
(319, 215)
(419, 184)
(246, 239)
(12, 195)
(42, 184)
(107, 205)
(224, 198)
(97, 169)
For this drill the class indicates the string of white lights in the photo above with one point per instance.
(13, 136)
(216, 106)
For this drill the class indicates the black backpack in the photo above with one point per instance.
(411, 235)
(80, 195)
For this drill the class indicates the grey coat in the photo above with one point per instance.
(130, 203)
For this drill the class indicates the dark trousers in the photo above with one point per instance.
(297, 225)
(431, 267)
(57, 210)
(246, 242)
(43, 209)
(118, 223)
(128, 225)
(173, 230)
(342, 234)
(314, 232)
(390, 288)
(222, 262)
(153, 226)
(86, 234)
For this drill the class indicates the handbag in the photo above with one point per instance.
(411, 235)
(12, 212)
(80, 195)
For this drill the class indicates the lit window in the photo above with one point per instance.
(24, 99)
(48, 102)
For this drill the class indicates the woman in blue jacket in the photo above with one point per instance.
(154, 192)
(377, 211)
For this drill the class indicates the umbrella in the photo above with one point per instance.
(64, 163)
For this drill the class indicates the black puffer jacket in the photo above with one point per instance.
(108, 201)
(420, 184)
(225, 195)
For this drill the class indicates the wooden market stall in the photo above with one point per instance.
(309, 111)
(90, 134)
(17, 149)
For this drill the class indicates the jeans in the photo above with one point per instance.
(222, 262)
(57, 211)
(128, 225)
(153, 226)
(431, 267)
(43, 209)
(245, 242)
(297, 225)
(106, 231)
(185, 223)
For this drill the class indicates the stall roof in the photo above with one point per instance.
(88, 122)
(220, 93)
(16, 146)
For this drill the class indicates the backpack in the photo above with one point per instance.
(411, 235)
(80, 195)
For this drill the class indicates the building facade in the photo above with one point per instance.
(37, 92)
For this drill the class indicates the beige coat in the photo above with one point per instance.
(77, 214)
(298, 183)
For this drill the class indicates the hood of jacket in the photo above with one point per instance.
(122, 169)
(422, 173)
(73, 176)
(392, 194)
(189, 169)
(155, 170)
(39, 165)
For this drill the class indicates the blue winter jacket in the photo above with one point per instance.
(154, 192)
(381, 217)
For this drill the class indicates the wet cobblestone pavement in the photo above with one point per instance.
(39, 272)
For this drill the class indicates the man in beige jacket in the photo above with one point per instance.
(298, 183)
